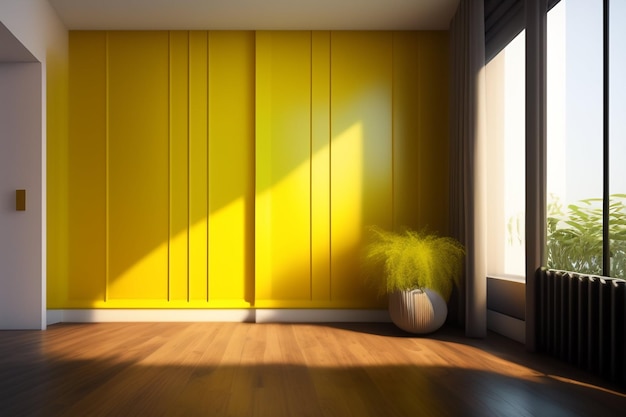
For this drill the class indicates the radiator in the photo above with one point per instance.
(581, 319)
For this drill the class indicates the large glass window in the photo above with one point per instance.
(505, 76)
(576, 134)
(617, 137)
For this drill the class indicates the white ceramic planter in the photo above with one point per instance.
(418, 311)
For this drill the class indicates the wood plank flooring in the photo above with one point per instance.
(245, 369)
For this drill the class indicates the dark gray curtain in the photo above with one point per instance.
(468, 158)
(536, 142)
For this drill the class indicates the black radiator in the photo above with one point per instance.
(581, 319)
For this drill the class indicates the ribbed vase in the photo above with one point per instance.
(417, 311)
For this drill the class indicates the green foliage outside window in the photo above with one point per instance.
(574, 236)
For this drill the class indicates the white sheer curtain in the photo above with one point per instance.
(468, 163)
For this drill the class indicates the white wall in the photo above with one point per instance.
(36, 25)
(23, 239)
(21, 289)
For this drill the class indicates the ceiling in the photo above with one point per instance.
(255, 14)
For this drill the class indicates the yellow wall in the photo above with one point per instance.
(57, 167)
(239, 169)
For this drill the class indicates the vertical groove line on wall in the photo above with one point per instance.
(250, 287)
(169, 165)
(208, 171)
(188, 165)
(330, 168)
(393, 136)
(418, 75)
(106, 168)
(311, 166)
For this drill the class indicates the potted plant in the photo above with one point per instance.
(418, 272)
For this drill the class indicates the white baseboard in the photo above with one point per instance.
(320, 316)
(216, 315)
(507, 326)
(152, 315)
(54, 317)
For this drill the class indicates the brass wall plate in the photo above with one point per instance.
(20, 200)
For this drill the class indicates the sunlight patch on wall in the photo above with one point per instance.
(347, 188)
(287, 215)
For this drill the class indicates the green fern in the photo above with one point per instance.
(413, 260)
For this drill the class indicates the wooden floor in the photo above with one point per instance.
(242, 369)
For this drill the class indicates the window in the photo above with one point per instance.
(505, 76)
(617, 137)
(576, 169)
